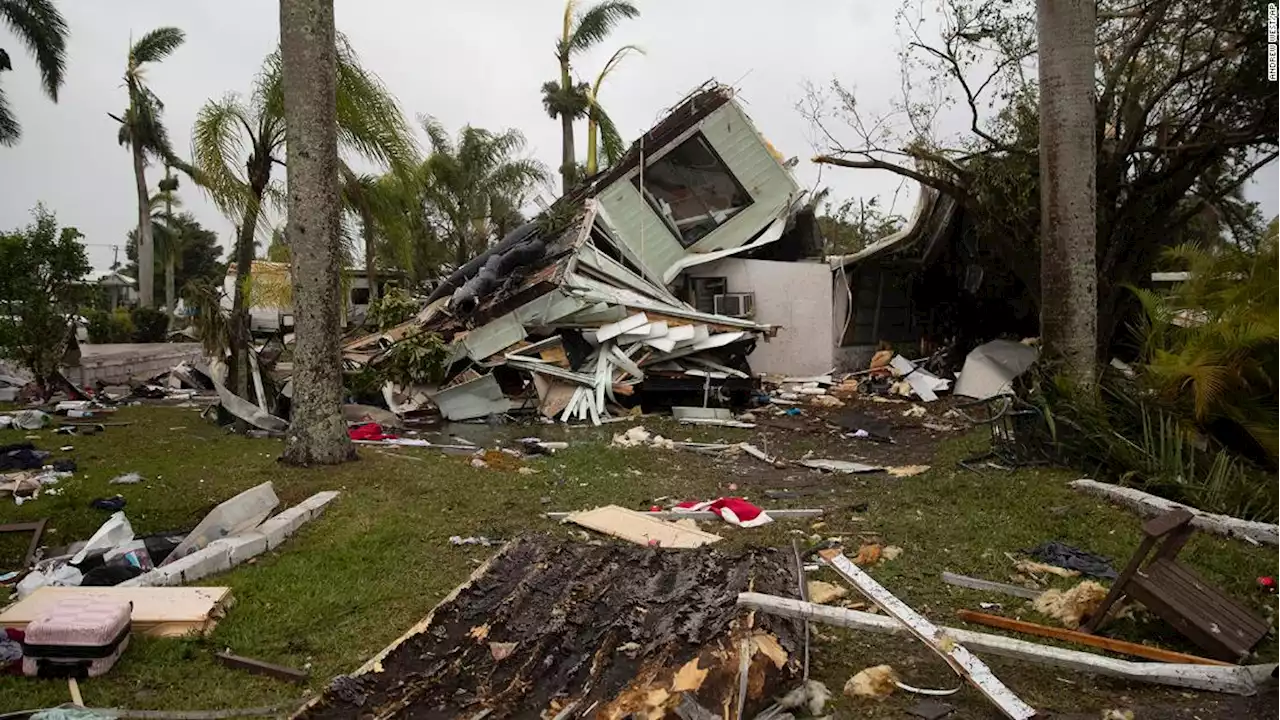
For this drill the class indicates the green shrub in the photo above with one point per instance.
(150, 325)
(110, 327)
(391, 309)
(417, 359)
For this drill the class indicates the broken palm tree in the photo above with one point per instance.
(587, 631)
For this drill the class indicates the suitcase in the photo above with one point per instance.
(78, 637)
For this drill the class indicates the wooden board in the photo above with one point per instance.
(157, 611)
(640, 529)
(1106, 643)
(966, 664)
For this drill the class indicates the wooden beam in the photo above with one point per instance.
(1234, 680)
(966, 664)
(1119, 646)
(279, 672)
(36, 529)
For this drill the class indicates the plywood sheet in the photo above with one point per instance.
(157, 611)
(641, 529)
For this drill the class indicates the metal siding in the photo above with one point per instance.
(636, 224)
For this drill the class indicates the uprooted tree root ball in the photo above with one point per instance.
(609, 629)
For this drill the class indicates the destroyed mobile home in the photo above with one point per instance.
(573, 314)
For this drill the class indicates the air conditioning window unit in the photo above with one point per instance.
(739, 305)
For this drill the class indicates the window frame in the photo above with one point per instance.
(651, 201)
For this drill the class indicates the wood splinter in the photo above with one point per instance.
(279, 672)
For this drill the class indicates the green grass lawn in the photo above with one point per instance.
(379, 558)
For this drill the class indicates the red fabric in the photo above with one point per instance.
(368, 431)
(742, 511)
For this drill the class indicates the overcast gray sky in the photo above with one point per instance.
(480, 62)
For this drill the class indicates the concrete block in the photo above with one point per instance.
(242, 547)
(315, 504)
(278, 529)
(200, 564)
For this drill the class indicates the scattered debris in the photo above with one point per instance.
(638, 437)
(960, 659)
(890, 552)
(990, 369)
(1235, 680)
(868, 554)
(258, 667)
(915, 411)
(876, 682)
(36, 528)
(640, 528)
(840, 466)
(1070, 607)
(126, 479)
(1037, 568)
(1119, 646)
(474, 540)
(823, 593)
(1072, 558)
(906, 470)
(1115, 714)
(501, 650)
(733, 510)
(114, 503)
(979, 584)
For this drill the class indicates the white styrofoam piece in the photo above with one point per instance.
(615, 329)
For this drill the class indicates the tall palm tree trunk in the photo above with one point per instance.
(170, 253)
(240, 339)
(317, 434)
(146, 247)
(593, 155)
(1068, 165)
(370, 259)
(568, 162)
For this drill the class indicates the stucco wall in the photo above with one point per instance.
(794, 295)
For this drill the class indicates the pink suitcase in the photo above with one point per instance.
(78, 637)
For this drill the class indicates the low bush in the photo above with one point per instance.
(110, 327)
(150, 325)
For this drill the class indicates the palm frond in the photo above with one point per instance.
(596, 22)
(39, 26)
(611, 143)
(441, 143)
(10, 131)
(222, 130)
(611, 65)
(369, 118)
(155, 46)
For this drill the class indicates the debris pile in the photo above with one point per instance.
(550, 319)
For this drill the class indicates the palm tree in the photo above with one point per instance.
(317, 434)
(142, 130)
(467, 184)
(238, 143)
(598, 122)
(39, 25)
(1068, 221)
(565, 99)
(170, 240)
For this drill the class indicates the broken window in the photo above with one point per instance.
(692, 190)
(705, 290)
(360, 296)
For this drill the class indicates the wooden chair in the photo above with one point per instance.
(1221, 626)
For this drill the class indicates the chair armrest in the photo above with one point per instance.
(1162, 525)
